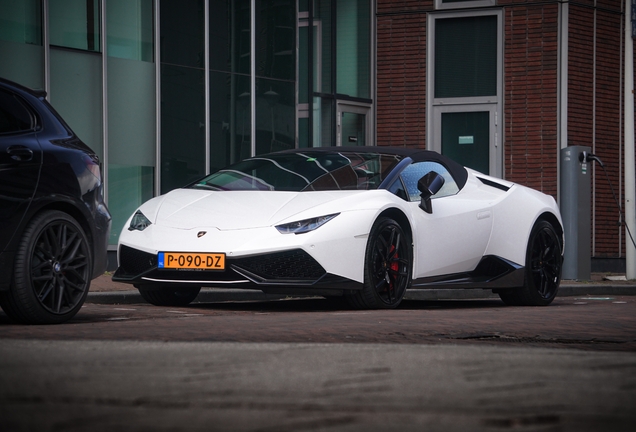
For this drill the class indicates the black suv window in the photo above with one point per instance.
(14, 116)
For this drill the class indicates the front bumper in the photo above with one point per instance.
(290, 270)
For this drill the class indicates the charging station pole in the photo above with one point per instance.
(576, 212)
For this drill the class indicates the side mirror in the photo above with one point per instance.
(429, 185)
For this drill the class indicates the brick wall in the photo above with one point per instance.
(530, 96)
(401, 76)
(595, 110)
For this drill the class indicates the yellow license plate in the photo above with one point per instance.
(191, 261)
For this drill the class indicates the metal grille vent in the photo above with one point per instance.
(294, 264)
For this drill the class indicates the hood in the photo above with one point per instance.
(231, 210)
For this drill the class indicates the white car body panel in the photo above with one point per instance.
(483, 219)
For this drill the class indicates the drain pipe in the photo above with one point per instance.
(630, 171)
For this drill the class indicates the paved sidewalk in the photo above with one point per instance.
(104, 290)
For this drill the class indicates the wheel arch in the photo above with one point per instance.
(71, 210)
(554, 221)
(398, 216)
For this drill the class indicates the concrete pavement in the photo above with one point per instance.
(105, 291)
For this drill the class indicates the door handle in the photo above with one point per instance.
(20, 153)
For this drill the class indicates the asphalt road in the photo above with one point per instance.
(305, 365)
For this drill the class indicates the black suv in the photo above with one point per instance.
(54, 225)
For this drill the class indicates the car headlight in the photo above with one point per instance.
(139, 222)
(304, 226)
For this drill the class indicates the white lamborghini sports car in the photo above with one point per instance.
(366, 223)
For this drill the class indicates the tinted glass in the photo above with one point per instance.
(275, 127)
(353, 48)
(182, 33)
(75, 24)
(14, 117)
(307, 171)
(466, 56)
(414, 172)
(276, 40)
(230, 35)
(182, 126)
(21, 21)
(130, 29)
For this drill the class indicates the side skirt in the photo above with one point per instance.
(492, 272)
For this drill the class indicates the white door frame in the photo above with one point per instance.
(355, 108)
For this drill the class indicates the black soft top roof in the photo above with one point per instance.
(458, 171)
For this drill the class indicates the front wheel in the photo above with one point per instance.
(169, 296)
(388, 267)
(52, 271)
(543, 269)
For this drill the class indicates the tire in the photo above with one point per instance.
(169, 296)
(388, 267)
(543, 269)
(52, 271)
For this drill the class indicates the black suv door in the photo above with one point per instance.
(20, 160)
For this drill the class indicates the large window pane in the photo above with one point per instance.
(353, 40)
(323, 55)
(230, 115)
(275, 115)
(275, 44)
(324, 122)
(182, 126)
(21, 53)
(303, 63)
(75, 24)
(21, 21)
(466, 56)
(131, 112)
(182, 33)
(129, 187)
(230, 35)
(76, 93)
(22, 63)
(130, 29)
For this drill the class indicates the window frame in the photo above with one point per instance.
(463, 4)
(435, 106)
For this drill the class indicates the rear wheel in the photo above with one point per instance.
(169, 296)
(52, 271)
(388, 266)
(543, 269)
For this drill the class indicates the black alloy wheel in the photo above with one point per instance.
(544, 262)
(388, 267)
(169, 295)
(52, 271)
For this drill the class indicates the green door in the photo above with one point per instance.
(466, 138)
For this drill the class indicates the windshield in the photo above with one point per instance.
(303, 171)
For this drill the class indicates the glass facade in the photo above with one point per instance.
(167, 92)
(131, 108)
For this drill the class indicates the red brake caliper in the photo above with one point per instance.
(394, 266)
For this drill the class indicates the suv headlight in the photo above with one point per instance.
(306, 225)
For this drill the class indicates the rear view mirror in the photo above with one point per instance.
(429, 185)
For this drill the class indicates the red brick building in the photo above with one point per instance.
(557, 82)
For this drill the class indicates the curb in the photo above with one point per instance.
(212, 295)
